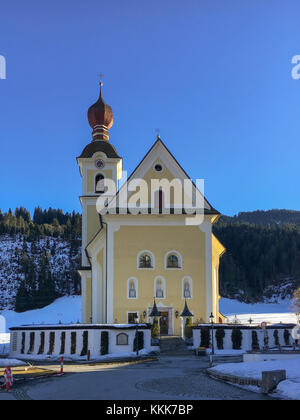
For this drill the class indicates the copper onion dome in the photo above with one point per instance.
(100, 118)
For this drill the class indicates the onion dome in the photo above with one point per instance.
(100, 118)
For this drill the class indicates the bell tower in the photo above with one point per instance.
(98, 161)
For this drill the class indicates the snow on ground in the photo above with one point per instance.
(274, 313)
(286, 389)
(4, 344)
(65, 310)
(11, 363)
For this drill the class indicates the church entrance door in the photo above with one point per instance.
(164, 323)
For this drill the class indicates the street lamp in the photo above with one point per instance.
(136, 320)
(211, 319)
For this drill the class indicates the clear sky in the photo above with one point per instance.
(213, 75)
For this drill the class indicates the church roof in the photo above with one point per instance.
(99, 146)
(208, 209)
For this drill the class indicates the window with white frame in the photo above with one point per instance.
(99, 184)
(160, 288)
(146, 260)
(173, 260)
(132, 288)
(187, 288)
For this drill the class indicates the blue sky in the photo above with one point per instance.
(213, 75)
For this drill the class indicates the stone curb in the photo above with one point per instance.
(234, 379)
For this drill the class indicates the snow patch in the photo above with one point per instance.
(286, 389)
(65, 310)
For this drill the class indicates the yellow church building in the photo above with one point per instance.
(138, 241)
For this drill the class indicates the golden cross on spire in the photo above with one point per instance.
(158, 133)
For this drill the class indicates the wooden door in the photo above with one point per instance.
(164, 323)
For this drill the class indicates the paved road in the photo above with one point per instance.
(169, 378)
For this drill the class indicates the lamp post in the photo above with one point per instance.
(136, 320)
(211, 319)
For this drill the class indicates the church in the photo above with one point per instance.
(143, 248)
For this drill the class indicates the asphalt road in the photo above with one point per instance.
(169, 378)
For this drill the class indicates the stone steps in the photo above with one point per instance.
(174, 346)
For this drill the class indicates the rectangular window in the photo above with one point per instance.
(131, 317)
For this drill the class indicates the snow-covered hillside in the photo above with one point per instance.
(233, 307)
(65, 310)
(280, 312)
(63, 262)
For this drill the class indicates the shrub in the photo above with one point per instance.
(155, 329)
(220, 334)
(73, 342)
(23, 343)
(276, 338)
(51, 343)
(205, 337)
(63, 343)
(85, 339)
(104, 343)
(286, 336)
(266, 339)
(236, 338)
(31, 344)
(188, 330)
(42, 345)
(140, 336)
(255, 344)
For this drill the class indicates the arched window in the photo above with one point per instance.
(187, 288)
(122, 339)
(132, 288)
(99, 184)
(173, 260)
(160, 288)
(146, 260)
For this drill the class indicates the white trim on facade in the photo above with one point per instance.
(206, 227)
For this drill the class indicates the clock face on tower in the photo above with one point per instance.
(99, 164)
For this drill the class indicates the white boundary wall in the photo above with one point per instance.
(247, 335)
(94, 339)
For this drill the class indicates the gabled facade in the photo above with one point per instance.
(143, 245)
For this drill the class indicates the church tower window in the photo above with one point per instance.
(99, 184)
